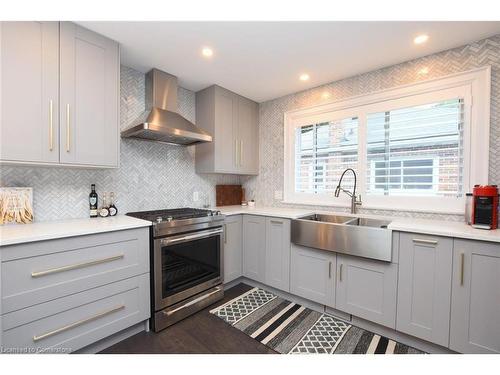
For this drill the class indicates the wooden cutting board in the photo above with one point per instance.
(228, 195)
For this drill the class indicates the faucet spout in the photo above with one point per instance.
(354, 200)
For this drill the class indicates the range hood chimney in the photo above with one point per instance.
(161, 122)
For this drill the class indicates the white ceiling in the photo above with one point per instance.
(263, 60)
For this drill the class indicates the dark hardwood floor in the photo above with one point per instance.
(201, 333)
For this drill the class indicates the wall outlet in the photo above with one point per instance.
(278, 195)
(196, 196)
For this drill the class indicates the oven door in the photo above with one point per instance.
(186, 264)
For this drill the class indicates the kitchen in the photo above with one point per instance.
(153, 203)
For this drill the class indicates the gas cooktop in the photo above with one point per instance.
(169, 215)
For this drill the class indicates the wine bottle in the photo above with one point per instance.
(93, 199)
(112, 208)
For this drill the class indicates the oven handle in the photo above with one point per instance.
(169, 241)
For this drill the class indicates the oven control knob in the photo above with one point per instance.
(217, 213)
(159, 219)
(170, 218)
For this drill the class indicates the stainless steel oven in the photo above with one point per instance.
(186, 262)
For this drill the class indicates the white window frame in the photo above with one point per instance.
(473, 86)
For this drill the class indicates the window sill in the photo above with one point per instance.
(377, 207)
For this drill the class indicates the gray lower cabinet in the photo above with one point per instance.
(233, 252)
(254, 247)
(71, 292)
(475, 301)
(312, 274)
(277, 255)
(367, 289)
(424, 287)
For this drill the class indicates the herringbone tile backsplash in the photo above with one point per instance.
(151, 175)
(477, 54)
(155, 176)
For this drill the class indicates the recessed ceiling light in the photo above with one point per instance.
(325, 95)
(207, 52)
(421, 39)
(304, 77)
(423, 71)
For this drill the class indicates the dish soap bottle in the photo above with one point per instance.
(112, 208)
(93, 199)
(104, 210)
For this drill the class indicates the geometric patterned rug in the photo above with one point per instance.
(290, 328)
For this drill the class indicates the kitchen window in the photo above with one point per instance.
(322, 153)
(419, 147)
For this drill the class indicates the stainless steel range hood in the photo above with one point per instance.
(161, 122)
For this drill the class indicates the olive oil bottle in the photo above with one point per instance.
(93, 201)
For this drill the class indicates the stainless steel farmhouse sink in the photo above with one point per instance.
(368, 238)
(337, 219)
(373, 223)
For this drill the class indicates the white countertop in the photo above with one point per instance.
(422, 226)
(48, 230)
(287, 213)
(444, 228)
(15, 234)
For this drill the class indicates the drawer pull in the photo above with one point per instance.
(276, 222)
(76, 266)
(192, 302)
(78, 323)
(425, 242)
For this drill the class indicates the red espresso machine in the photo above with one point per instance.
(485, 206)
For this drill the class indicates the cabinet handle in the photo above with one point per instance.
(329, 270)
(425, 242)
(241, 152)
(276, 222)
(78, 323)
(68, 138)
(340, 271)
(76, 266)
(462, 265)
(236, 152)
(51, 125)
(225, 233)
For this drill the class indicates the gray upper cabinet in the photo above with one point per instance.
(29, 79)
(278, 253)
(89, 103)
(233, 122)
(312, 274)
(254, 246)
(367, 289)
(424, 287)
(233, 251)
(59, 95)
(475, 301)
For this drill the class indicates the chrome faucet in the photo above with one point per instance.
(355, 201)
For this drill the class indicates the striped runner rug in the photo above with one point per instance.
(290, 328)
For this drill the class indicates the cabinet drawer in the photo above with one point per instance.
(42, 271)
(75, 321)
